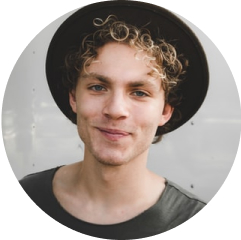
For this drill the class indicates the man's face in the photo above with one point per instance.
(119, 106)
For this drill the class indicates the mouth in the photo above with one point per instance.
(113, 134)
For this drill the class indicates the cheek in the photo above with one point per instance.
(85, 105)
(85, 118)
(149, 117)
(88, 113)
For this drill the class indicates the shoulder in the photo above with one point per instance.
(178, 196)
(37, 179)
(39, 185)
(179, 205)
(173, 187)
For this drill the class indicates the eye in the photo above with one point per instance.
(97, 88)
(140, 94)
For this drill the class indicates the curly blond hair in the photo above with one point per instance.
(161, 57)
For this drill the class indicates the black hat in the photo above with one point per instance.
(161, 23)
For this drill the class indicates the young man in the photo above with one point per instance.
(124, 86)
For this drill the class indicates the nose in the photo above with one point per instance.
(116, 106)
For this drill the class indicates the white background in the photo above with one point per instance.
(21, 22)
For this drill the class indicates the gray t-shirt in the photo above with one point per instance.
(174, 207)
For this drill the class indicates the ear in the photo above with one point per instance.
(166, 114)
(72, 101)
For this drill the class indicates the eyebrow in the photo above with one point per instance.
(107, 80)
(100, 77)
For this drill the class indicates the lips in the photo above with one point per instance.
(113, 134)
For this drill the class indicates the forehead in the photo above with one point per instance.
(118, 60)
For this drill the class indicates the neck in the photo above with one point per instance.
(90, 190)
(111, 184)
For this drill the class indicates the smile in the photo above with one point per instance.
(113, 134)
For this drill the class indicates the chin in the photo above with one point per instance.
(110, 163)
(114, 161)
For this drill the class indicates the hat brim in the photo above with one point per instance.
(161, 23)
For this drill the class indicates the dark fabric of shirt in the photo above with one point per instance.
(174, 207)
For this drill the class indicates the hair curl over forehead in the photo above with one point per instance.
(160, 56)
